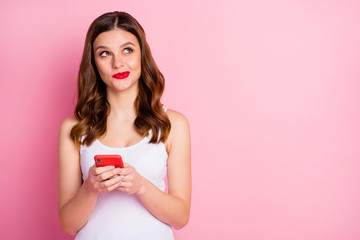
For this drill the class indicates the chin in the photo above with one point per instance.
(123, 87)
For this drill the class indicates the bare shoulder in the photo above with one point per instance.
(69, 170)
(180, 128)
(177, 119)
(68, 124)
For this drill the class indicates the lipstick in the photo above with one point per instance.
(121, 75)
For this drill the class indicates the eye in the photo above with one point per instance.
(128, 50)
(104, 54)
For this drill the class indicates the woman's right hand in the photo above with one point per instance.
(103, 179)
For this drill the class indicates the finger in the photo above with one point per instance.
(117, 175)
(92, 169)
(124, 185)
(112, 187)
(128, 178)
(110, 184)
(109, 174)
(100, 170)
(126, 170)
(95, 170)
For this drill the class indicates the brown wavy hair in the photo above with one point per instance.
(93, 108)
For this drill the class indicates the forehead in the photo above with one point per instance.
(114, 38)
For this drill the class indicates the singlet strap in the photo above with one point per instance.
(164, 107)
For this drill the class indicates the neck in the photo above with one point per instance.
(122, 104)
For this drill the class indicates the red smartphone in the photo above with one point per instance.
(109, 160)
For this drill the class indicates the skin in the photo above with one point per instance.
(77, 200)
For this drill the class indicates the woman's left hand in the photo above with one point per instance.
(131, 181)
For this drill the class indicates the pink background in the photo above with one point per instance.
(271, 90)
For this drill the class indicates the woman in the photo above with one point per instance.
(119, 112)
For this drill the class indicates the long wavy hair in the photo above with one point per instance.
(93, 108)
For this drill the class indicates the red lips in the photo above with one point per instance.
(121, 75)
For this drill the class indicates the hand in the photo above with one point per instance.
(131, 181)
(103, 179)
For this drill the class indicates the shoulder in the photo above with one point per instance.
(177, 119)
(66, 143)
(180, 128)
(68, 124)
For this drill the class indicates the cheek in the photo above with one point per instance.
(135, 63)
(100, 67)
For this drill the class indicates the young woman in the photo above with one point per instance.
(119, 112)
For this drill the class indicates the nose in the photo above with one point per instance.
(117, 61)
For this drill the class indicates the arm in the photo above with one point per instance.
(75, 200)
(172, 208)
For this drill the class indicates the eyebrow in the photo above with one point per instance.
(122, 45)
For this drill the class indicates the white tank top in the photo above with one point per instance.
(117, 215)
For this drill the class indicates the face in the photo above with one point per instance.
(118, 59)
